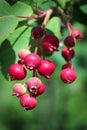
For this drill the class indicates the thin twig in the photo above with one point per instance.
(35, 16)
(47, 17)
(69, 26)
(42, 53)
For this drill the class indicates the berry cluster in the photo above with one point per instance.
(32, 61)
(68, 74)
(27, 60)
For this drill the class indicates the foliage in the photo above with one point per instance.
(62, 107)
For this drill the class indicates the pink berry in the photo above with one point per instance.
(67, 53)
(32, 61)
(34, 84)
(68, 75)
(37, 32)
(46, 69)
(28, 101)
(17, 72)
(18, 89)
(50, 43)
(69, 41)
(22, 53)
(41, 90)
(77, 34)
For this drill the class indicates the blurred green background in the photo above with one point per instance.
(62, 106)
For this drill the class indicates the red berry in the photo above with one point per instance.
(67, 53)
(37, 32)
(46, 69)
(68, 65)
(34, 84)
(17, 72)
(68, 75)
(28, 101)
(41, 90)
(18, 89)
(32, 61)
(69, 41)
(50, 43)
(77, 34)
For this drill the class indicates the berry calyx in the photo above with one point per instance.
(33, 84)
(18, 90)
(37, 32)
(68, 75)
(46, 69)
(69, 41)
(67, 53)
(28, 101)
(32, 61)
(16, 72)
(50, 43)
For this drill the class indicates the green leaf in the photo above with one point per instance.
(20, 38)
(29, 2)
(46, 4)
(5, 8)
(84, 8)
(21, 9)
(7, 26)
(36, 1)
(62, 3)
(17, 40)
(79, 25)
(18, 9)
(54, 25)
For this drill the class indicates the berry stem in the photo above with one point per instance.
(34, 16)
(42, 53)
(34, 73)
(40, 13)
(29, 47)
(47, 17)
(62, 14)
(37, 46)
(69, 26)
